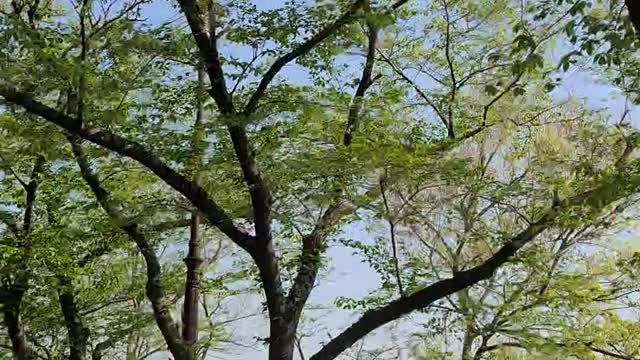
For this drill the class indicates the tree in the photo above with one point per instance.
(569, 278)
(306, 157)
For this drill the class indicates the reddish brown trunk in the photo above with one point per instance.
(193, 262)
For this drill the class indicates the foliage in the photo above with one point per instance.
(489, 204)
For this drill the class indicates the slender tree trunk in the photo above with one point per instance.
(76, 331)
(191, 293)
(194, 256)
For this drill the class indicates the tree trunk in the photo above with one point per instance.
(76, 332)
(282, 339)
(194, 256)
(12, 321)
(190, 310)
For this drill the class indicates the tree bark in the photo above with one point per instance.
(282, 339)
(191, 293)
(194, 256)
(77, 333)
(19, 345)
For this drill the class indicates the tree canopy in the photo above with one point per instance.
(160, 161)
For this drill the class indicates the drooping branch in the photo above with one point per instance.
(623, 184)
(355, 109)
(301, 50)
(194, 193)
(154, 289)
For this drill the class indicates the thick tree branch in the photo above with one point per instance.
(19, 345)
(138, 152)
(206, 40)
(263, 253)
(154, 290)
(300, 50)
(610, 191)
(313, 246)
(355, 109)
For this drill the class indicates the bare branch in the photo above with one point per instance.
(392, 231)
